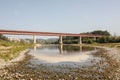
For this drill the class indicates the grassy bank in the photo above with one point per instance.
(10, 50)
(110, 45)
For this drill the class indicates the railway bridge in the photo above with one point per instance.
(36, 33)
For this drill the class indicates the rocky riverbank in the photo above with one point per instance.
(108, 68)
(115, 55)
(4, 63)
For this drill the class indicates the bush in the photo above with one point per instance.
(108, 39)
(88, 41)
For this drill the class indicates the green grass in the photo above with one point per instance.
(111, 45)
(5, 43)
(14, 51)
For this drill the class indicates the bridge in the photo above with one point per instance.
(34, 33)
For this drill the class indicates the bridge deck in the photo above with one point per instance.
(18, 32)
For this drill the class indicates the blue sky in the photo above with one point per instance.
(73, 16)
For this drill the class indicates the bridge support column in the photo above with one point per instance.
(94, 38)
(80, 40)
(60, 39)
(34, 39)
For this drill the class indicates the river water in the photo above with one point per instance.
(62, 63)
(73, 56)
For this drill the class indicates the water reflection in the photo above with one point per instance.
(62, 53)
(61, 49)
(80, 49)
(66, 49)
(34, 48)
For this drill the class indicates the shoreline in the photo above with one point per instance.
(111, 54)
(20, 57)
(114, 53)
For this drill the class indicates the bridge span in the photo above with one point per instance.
(34, 33)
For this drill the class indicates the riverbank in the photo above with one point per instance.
(114, 53)
(107, 68)
(10, 50)
(20, 57)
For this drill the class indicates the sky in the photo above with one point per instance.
(72, 16)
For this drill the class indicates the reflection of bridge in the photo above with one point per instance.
(16, 32)
(63, 50)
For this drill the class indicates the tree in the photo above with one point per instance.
(100, 32)
(105, 39)
(102, 40)
(88, 40)
(2, 37)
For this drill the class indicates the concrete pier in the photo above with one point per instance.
(34, 39)
(94, 38)
(60, 40)
(80, 40)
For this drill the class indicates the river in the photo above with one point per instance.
(73, 56)
(62, 63)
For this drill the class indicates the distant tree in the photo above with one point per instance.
(100, 32)
(2, 37)
(88, 40)
(102, 40)
(107, 38)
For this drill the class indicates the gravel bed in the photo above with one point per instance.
(106, 69)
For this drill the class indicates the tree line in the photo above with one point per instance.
(106, 38)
